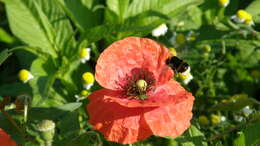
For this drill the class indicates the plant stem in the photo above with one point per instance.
(13, 122)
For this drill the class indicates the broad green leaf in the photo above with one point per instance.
(5, 37)
(103, 31)
(82, 12)
(14, 89)
(42, 67)
(192, 137)
(235, 103)
(52, 113)
(254, 10)
(4, 55)
(249, 137)
(26, 25)
(240, 140)
(119, 7)
(39, 24)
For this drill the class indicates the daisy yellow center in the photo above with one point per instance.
(84, 92)
(242, 14)
(223, 2)
(24, 75)
(88, 78)
(83, 53)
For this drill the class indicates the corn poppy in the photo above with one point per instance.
(139, 98)
(5, 139)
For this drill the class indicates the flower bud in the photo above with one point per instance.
(24, 75)
(47, 131)
(180, 39)
(244, 17)
(88, 80)
(160, 30)
(223, 3)
(207, 48)
(215, 119)
(84, 54)
(203, 120)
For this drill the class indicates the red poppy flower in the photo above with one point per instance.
(5, 139)
(140, 98)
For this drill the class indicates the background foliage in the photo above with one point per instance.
(44, 37)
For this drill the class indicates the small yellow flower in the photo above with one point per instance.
(84, 92)
(244, 17)
(83, 95)
(88, 80)
(215, 119)
(173, 51)
(192, 36)
(203, 120)
(207, 48)
(160, 30)
(24, 75)
(186, 76)
(84, 54)
(223, 3)
(180, 39)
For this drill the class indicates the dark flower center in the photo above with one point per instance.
(138, 84)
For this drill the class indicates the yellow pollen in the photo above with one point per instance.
(184, 77)
(88, 78)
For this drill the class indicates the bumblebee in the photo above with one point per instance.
(178, 65)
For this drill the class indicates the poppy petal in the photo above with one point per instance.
(169, 93)
(5, 139)
(122, 57)
(171, 120)
(117, 123)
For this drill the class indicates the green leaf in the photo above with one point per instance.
(26, 25)
(192, 137)
(240, 141)
(254, 10)
(4, 55)
(249, 137)
(52, 113)
(119, 7)
(14, 89)
(82, 12)
(5, 37)
(39, 24)
(235, 103)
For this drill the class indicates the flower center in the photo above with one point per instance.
(138, 84)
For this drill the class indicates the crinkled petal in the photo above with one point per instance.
(122, 57)
(5, 139)
(169, 93)
(171, 120)
(117, 123)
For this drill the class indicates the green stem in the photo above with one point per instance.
(13, 122)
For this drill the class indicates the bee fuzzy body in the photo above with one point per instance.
(178, 65)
